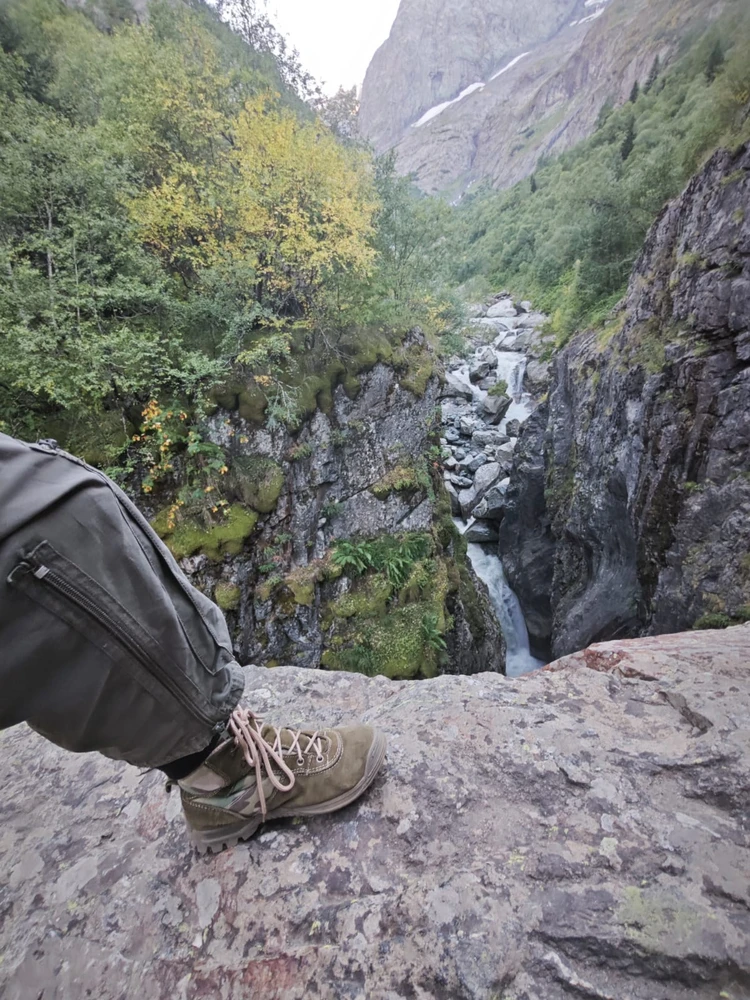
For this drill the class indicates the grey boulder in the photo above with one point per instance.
(503, 308)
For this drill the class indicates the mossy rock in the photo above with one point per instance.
(396, 646)
(257, 481)
(369, 598)
(402, 479)
(375, 633)
(189, 538)
(252, 404)
(417, 364)
(98, 437)
(227, 596)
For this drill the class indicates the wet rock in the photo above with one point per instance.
(493, 505)
(560, 835)
(477, 462)
(481, 532)
(452, 492)
(486, 477)
(467, 426)
(636, 520)
(480, 370)
(513, 428)
(495, 438)
(453, 389)
(495, 407)
(498, 326)
(452, 436)
(462, 482)
(467, 500)
(501, 309)
(537, 377)
(526, 307)
(505, 452)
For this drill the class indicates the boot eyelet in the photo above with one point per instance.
(300, 761)
(320, 759)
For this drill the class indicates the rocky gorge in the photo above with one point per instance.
(360, 471)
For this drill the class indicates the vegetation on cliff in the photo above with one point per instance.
(568, 238)
(178, 228)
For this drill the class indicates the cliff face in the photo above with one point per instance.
(357, 469)
(439, 47)
(642, 496)
(572, 59)
(579, 832)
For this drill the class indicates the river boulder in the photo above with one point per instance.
(502, 309)
(482, 532)
(495, 408)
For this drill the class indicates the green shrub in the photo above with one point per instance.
(501, 389)
(713, 620)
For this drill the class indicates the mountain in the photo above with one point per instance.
(466, 92)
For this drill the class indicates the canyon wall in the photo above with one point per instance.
(627, 511)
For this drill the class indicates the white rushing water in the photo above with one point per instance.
(511, 368)
(489, 569)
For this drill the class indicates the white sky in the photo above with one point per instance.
(336, 39)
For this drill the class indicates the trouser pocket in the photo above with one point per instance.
(65, 590)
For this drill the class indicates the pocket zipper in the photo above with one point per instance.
(53, 579)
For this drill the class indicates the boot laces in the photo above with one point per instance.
(260, 754)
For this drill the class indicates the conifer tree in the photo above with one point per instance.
(715, 61)
(653, 76)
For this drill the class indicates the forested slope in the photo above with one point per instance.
(568, 237)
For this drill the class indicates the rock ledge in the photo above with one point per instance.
(578, 832)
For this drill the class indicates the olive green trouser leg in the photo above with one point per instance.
(104, 644)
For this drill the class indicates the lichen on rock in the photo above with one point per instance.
(566, 834)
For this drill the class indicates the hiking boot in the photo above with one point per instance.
(260, 773)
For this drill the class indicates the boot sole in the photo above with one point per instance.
(214, 841)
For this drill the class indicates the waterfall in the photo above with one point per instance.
(489, 568)
(511, 368)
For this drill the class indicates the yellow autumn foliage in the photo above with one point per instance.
(280, 197)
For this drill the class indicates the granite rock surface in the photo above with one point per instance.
(579, 832)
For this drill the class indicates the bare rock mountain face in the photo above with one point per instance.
(578, 832)
(524, 80)
(627, 511)
(439, 47)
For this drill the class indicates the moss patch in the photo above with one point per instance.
(420, 367)
(373, 629)
(501, 389)
(402, 479)
(189, 538)
(301, 582)
(257, 481)
(227, 596)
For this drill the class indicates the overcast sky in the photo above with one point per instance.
(336, 38)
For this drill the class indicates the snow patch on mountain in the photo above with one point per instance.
(510, 65)
(439, 108)
(591, 17)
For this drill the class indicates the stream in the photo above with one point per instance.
(468, 424)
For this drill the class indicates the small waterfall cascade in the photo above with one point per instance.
(472, 438)
(489, 568)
